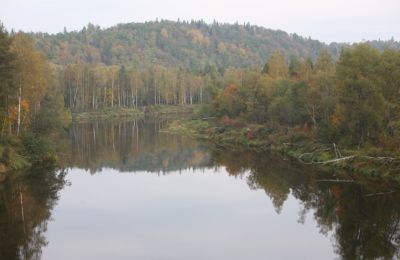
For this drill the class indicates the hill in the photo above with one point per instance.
(190, 45)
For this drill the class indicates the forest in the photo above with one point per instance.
(242, 74)
(32, 108)
(354, 99)
(192, 45)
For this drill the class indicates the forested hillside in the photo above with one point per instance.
(191, 45)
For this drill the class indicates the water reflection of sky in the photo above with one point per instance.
(191, 214)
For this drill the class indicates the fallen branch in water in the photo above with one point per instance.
(337, 160)
(347, 181)
(379, 158)
(325, 162)
(379, 193)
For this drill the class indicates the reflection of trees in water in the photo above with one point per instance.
(362, 218)
(132, 145)
(365, 220)
(26, 202)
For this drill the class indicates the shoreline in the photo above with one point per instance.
(296, 146)
(126, 113)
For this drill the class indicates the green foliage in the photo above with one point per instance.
(205, 111)
(53, 116)
(353, 102)
(287, 106)
(7, 69)
(361, 106)
(191, 45)
(39, 149)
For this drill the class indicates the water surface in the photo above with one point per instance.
(131, 191)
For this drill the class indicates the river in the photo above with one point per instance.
(129, 190)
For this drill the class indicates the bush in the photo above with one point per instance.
(298, 137)
(227, 121)
(39, 149)
(206, 111)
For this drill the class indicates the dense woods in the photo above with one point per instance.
(354, 100)
(192, 45)
(31, 105)
(28, 85)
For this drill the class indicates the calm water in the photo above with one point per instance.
(131, 191)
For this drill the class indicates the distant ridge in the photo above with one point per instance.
(191, 45)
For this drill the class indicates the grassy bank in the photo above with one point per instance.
(295, 143)
(125, 113)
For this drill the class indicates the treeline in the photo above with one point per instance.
(354, 100)
(92, 87)
(31, 104)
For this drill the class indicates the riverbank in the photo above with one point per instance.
(140, 112)
(21, 153)
(295, 143)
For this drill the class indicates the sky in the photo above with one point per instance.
(327, 21)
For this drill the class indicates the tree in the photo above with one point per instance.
(277, 66)
(33, 77)
(389, 71)
(360, 110)
(7, 74)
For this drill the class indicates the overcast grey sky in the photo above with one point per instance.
(335, 20)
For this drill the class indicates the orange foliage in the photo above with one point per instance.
(25, 108)
(336, 191)
(227, 121)
(306, 129)
(336, 120)
(228, 91)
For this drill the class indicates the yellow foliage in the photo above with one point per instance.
(221, 47)
(198, 37)
(13, 111)
(164, 33)
(277, 66)
(24, 106)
